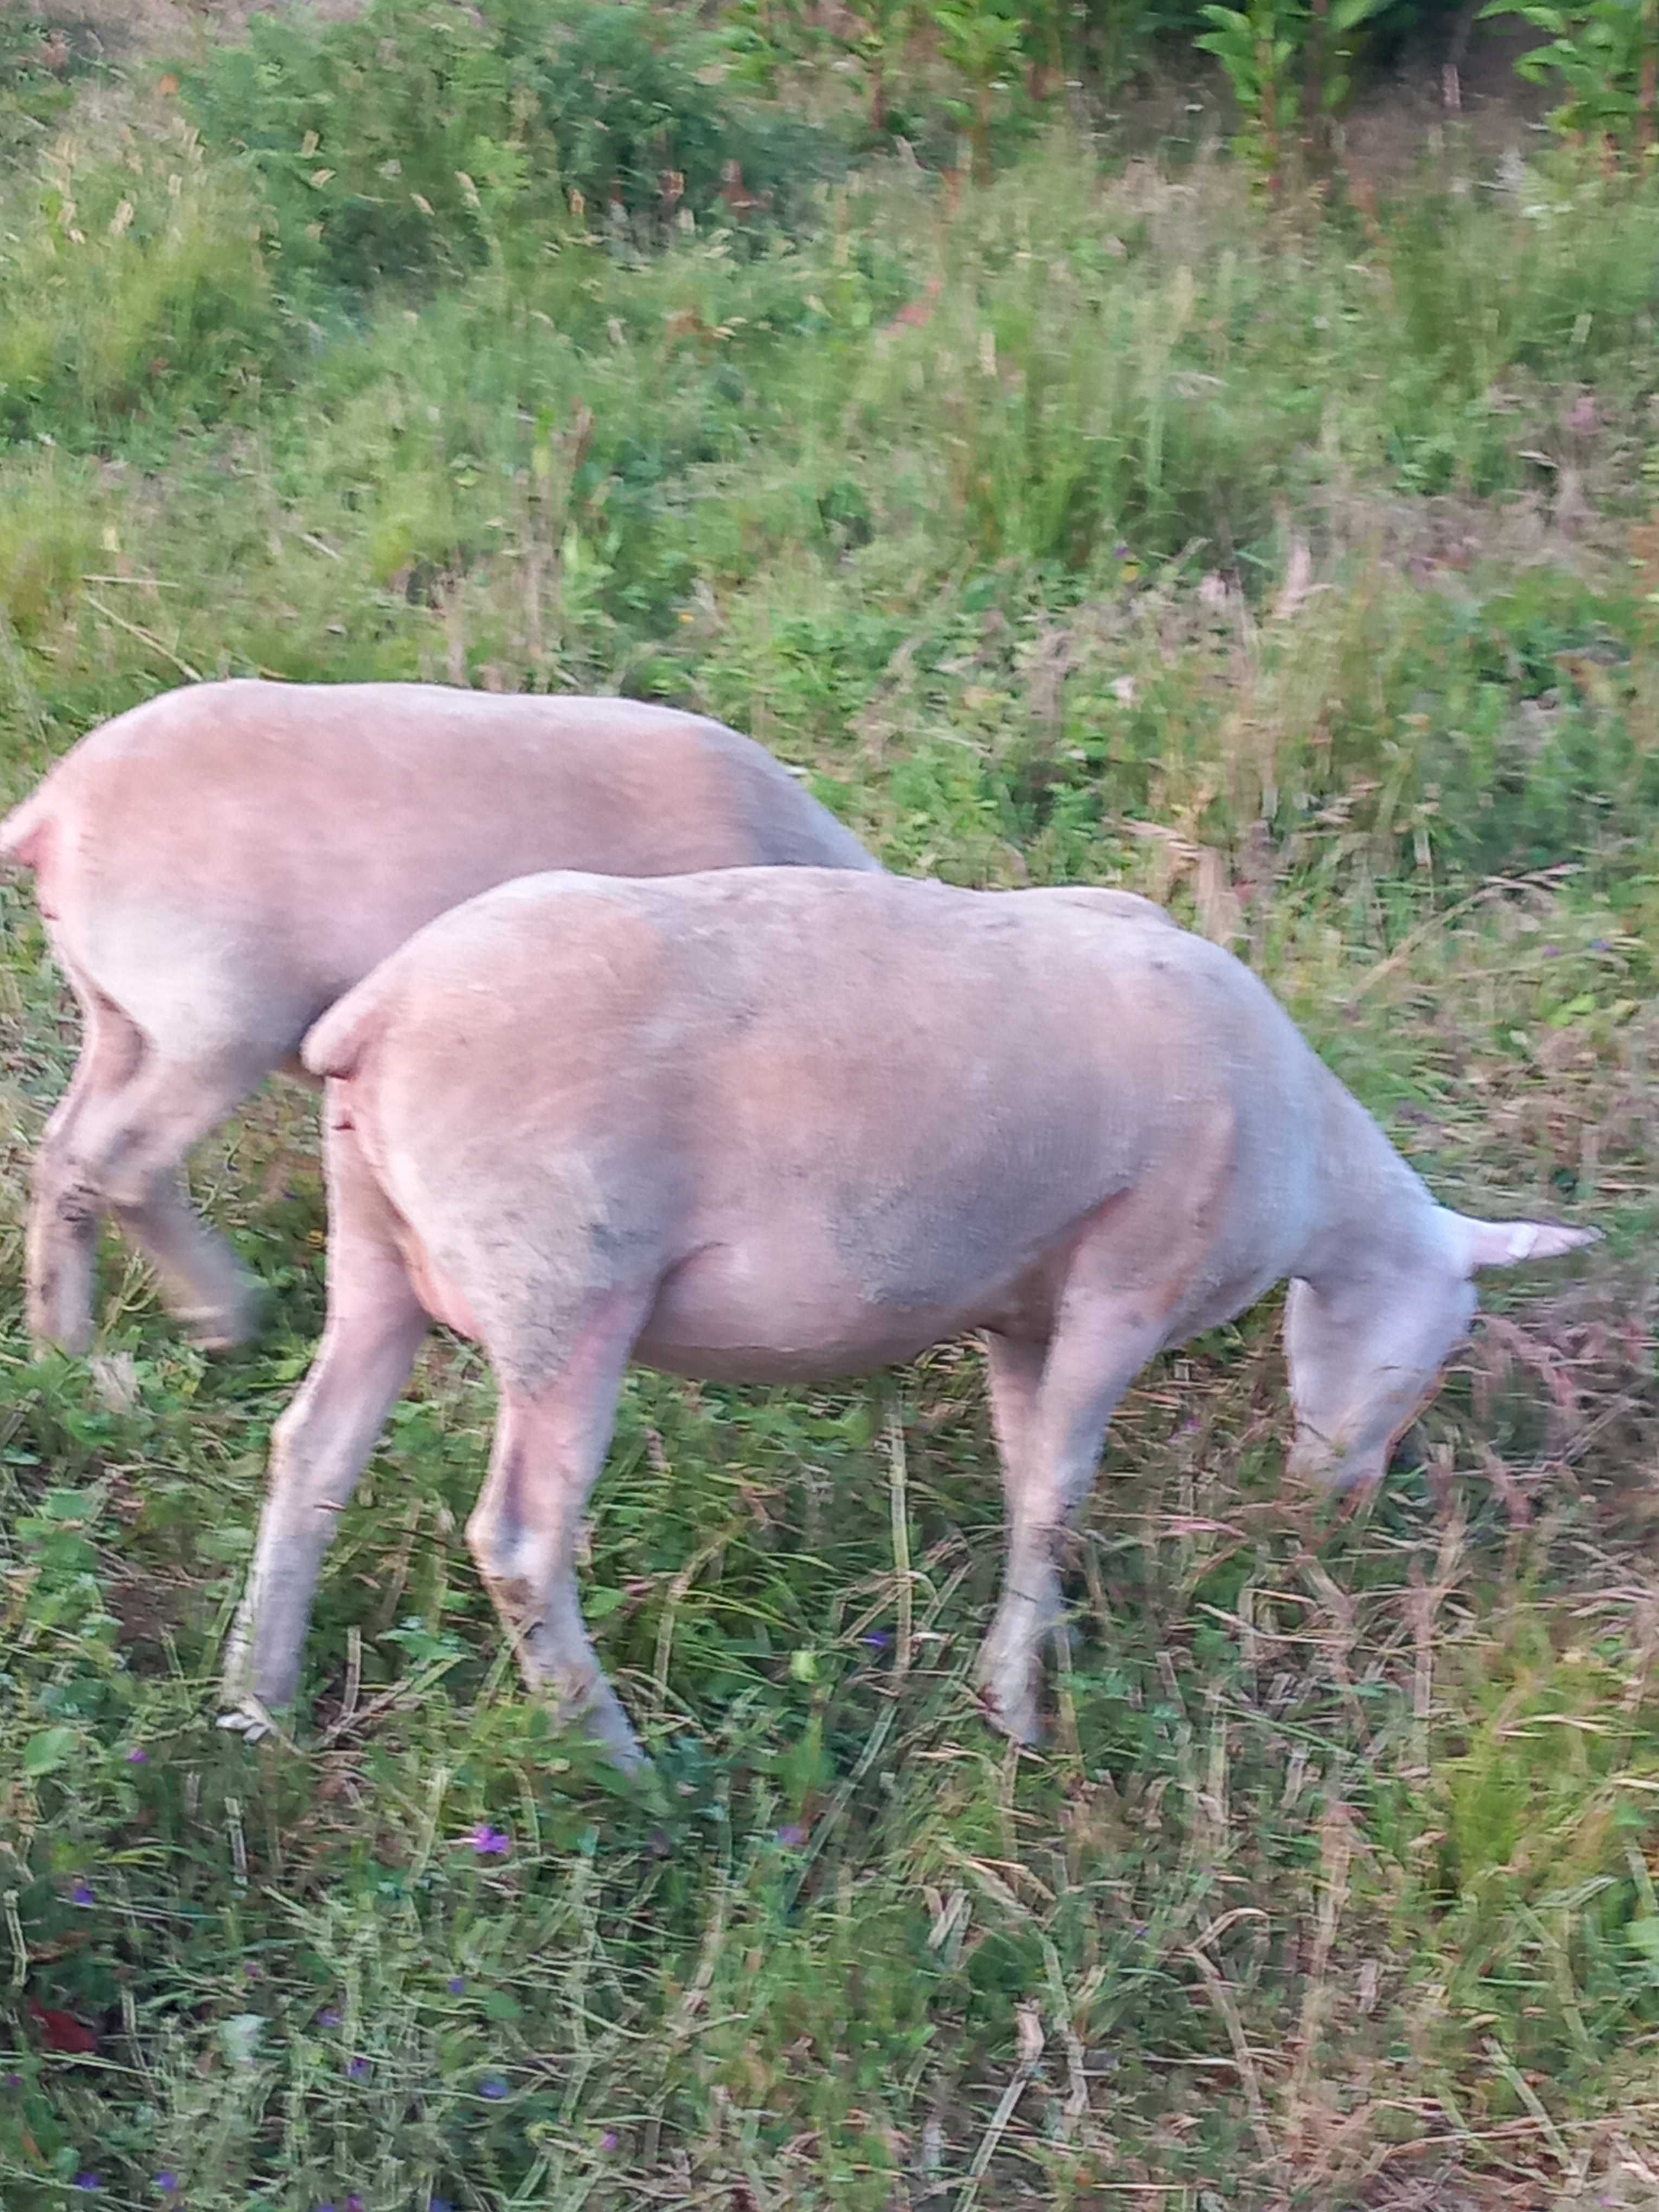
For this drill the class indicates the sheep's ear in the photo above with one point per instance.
(1507, 1244)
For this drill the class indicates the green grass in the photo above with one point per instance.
(1334, 1885)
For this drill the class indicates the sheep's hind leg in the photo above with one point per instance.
(551, 1444)
(61, 1246)
(321, 1444)
(117, 1145)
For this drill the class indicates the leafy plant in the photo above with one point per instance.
(1605, 53)
(875, 33)
(980, 39)
(1259, 46)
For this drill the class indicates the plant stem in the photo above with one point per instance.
(1317, 128)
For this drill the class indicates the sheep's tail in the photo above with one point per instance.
(335, 1043)
(23, 832)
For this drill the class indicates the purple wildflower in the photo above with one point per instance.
(492, 2087)
(876, 1640)
(1552, 953)
(82, 1893)
(659, 1845)
(138, 1756)
(1121, 550)
(1600, 945)
(792, 1837)
(168, 2184)
(250, 1971)
(88, 2182)
(490, 1843)
(358, 2069)
(456, 1986)
(14, 2081)
(328, 2017)
(439, 2205)
(353, 2202)
(608, 2140)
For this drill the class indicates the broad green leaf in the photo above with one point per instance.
(47, 1749)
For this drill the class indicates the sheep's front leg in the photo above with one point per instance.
(1050, 1405)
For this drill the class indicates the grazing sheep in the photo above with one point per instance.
(217, 867)
(782, 1126)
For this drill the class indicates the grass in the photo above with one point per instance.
(1298, 569)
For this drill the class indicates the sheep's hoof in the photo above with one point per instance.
(592, 1709)
(58, 1323)
(248, 1725)
(1009, 1675)
(224, 1328)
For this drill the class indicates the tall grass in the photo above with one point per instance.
(759, 477)
(137, 292)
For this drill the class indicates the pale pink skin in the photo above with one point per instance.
(217, 867)
(788, 1125)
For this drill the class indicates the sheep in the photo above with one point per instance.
(783, 1126)
(215, 867)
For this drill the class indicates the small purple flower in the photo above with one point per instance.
(168, 2184)
(1552, 953)
(608, 2140)
(659, 1845)
(490, 1843)
(328, 2017)
(876, 1640)
(439, 2205)
(492, 2087)
(250, 1971)
(792, 1837)
(358, 2070)
(82, 1893)
(1121, 550)
(456, 1986)
(1600, 945)
(353, 2202)
(14, 2081)
(87, 2182)
(138, 1756)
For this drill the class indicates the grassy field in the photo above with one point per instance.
(1299, 567)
